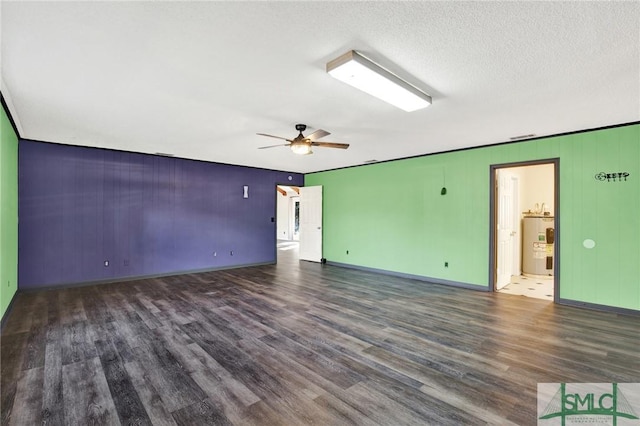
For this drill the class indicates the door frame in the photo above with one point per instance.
(493, 199)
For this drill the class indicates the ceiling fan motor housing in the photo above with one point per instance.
(301, 127)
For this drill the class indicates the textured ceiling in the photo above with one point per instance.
(199, 79)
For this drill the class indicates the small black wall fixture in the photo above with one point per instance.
(443, 191)
(612, 177)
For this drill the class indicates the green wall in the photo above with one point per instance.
(8, 212)
(391, 215)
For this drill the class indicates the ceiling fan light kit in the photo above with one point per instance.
(301, 148)
(362, 73)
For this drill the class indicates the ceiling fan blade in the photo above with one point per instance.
(271, 136)
(273, 146)
(317, 135)
(331, 145)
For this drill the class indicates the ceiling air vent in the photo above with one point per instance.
(370, 161)
(517, 138)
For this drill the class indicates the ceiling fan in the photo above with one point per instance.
(302, 144)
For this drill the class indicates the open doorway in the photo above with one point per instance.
(524, 218)
(287, 219)
(299, 222)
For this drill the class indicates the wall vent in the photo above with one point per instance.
(517, 138)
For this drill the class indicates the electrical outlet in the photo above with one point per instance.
(126, 262)
(215, 253)
(231, 252)
(106, 263)
(347, 251)
(446, 264)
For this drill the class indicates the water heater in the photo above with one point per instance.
(537, 245)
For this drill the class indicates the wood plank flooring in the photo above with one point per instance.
(297, 343)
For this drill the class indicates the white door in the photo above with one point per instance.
(311, 223)
(506, 226)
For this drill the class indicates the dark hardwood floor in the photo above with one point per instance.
(298, 343)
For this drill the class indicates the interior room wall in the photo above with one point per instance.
(143, 214)
(8, 212)
(536, 186)
(283, 203)
(286, 215)
(392, 216)
(295, 234)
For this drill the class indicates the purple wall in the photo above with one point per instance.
(145, 214)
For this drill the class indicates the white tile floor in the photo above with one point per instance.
(285, 245)
(539, 288)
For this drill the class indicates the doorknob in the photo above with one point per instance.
(319, 227)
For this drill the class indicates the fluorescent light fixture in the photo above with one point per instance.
(359, 72)
(301, 148)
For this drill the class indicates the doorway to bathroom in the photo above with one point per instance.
(524, 222)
